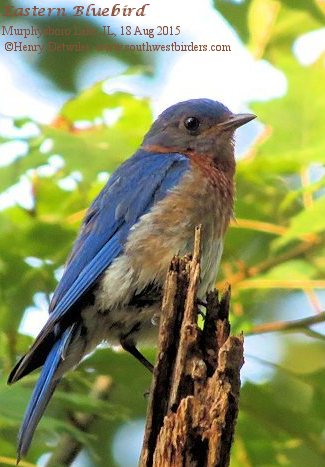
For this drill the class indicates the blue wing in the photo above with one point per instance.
(130, 192)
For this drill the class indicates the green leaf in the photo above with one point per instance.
(296, 125)
(101, 147)
(308, 221)
(296, 269)
(236, 13)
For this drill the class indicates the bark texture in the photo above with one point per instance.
(193, 402)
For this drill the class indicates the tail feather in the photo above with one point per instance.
(42, 393)
(32, 360)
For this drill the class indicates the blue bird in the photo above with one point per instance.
(181, 176)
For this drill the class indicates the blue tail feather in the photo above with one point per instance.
(42, 393)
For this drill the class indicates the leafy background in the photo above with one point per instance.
(274, 256)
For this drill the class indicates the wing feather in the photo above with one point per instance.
(132, 190)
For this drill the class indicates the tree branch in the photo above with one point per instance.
(263, 266)
(293, 325)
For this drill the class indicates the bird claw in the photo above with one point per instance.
(200, 302)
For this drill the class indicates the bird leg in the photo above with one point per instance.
(131, 348)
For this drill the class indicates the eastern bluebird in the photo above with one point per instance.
(111, 289)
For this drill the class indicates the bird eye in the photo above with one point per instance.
(192, 123)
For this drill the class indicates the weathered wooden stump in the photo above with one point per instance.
(193, 402)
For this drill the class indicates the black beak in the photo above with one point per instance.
(235, 121)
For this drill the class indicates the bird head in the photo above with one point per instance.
(200, 127)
